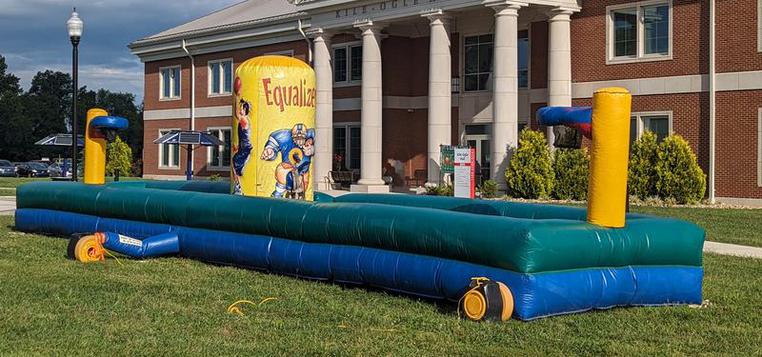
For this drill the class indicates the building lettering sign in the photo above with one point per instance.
(380, 7)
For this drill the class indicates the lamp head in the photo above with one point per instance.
(74, 25)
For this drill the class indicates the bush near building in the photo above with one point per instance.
(570, 167)
(118, 158)
(530, 170)
(642, 170)
(488, 189)
(679, 176)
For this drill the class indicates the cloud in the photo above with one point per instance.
(35, 37)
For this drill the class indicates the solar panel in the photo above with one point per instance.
(193, 138)
(186, 137)
(62, 140)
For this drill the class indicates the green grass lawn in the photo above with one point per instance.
(8, 184)
(52, 306)
(737, 226)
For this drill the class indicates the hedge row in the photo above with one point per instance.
(668, 170)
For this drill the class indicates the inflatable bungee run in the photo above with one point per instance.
(498, 259)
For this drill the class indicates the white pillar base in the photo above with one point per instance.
(369, 188)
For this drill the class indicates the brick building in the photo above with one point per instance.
(396, 78)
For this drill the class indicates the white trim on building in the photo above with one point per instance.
(349, 66)
(173, 157)
(287, 53)
(643, 122)
(173, 75)
(224, 88)
(211, 166)
(639, 54)
(184, 113)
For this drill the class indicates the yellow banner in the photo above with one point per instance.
(273, 128)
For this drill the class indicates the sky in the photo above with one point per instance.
(34, 36)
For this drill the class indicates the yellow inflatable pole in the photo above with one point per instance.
(273, 128)
(95, 150)
(609, 154)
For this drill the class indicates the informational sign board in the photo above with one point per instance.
(464, 172)
(446, 159)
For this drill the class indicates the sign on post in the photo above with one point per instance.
(464, 172)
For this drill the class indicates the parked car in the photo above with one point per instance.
(7, 169)
(56, 170)
(44, 162)
(32, 169)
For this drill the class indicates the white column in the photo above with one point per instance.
(559, 61)
(505, 100)
(323, 161)
(440, 96)
(370, 119)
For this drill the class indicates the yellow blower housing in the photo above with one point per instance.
(87, 248)
(487, 300)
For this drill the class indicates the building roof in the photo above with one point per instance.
(241, 14)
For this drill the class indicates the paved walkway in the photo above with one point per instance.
(8, 206)
(733, 249)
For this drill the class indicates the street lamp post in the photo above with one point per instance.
(74, 25)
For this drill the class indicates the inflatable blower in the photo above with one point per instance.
(273, 128)
(92, 247)
(486, 300)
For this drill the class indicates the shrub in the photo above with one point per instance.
(642, 171)
(488, 189)
(570, 168)
(214, 177)
(118, 158)
(439, 190)
(530, 170)
(679, 175)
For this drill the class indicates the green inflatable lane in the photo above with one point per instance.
(511, 240)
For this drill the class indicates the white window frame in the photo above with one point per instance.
(490, 81)
(640, 121)
(640, 56)
(222, 92)
(161, 166)
(289, 53)
(759, 147)
(210, 166)
(347, 141)
(529, 61)
(171, 84)
(348, 82)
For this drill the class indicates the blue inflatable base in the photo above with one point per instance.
(535, 295)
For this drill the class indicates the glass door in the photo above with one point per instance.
(478, 137)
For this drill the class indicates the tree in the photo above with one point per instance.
(679, 175)
(571, 174)
(642, 170)
(530, 171)
(12, 121)
(123, 104)
(118, 158)
(45, 109)
(48, 108)
(9, 84)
